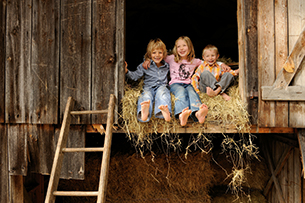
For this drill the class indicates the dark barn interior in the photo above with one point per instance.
(205, 22)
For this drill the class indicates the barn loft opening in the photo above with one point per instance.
(204, 21)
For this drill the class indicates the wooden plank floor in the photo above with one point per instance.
(210, 128)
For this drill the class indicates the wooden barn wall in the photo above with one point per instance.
(2, 61)
(4, 177)
(286, 168)
(56, 49)
(279, 25)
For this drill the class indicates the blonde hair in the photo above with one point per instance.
(155, 44)
(210, 47)
(191, 54)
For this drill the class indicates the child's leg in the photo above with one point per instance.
(207, 79)
(201, 114)
(144, 109)
(225, 81)
(184, 115)
(163, 105)
(181, 97)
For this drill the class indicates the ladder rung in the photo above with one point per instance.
(88, 112)
(98, 149)
(75, 193)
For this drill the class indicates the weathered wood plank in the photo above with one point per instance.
(266, 63)
(17, 149)
(4, 175)
(41, 148)
(281, 53)
(73, 166)
(18, 45)
(104, 69)
(297, 177)
(120, 55)
(44, 62)
(247, 42)
(279, 193)
(301, 139)
(75, 56)
(296, 16)
(280, 164)
(2, 61)
(16, 188)
(291, 93)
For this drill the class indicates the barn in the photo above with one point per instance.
(57, 52)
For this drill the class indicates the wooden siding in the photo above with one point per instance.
(296, 24)
(285, 160)
(2, 62)
(4, 176)
(57, 49)
(263, 49)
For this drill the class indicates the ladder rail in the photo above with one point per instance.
(101, 198)
(58, 157)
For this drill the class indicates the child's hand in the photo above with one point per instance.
(126, 70)
(146, 64)
(237, 71)
(225, 67)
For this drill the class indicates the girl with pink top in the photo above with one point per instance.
(182, 65)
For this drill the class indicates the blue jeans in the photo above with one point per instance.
(160, 95)
(185, 96)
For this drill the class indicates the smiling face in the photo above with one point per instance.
(157, 56)
(210, 56)
(182, 49)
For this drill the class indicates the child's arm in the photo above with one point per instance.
(195, 79)
(134, 75)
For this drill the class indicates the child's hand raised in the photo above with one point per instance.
(146, 64)
(126, 70)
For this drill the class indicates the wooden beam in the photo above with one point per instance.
(278, 168)
(301, 138)
(280, 196)
(291, 93)
(210, 128)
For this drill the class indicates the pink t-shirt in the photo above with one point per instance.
(181, 72)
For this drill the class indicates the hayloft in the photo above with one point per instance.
(62, 65)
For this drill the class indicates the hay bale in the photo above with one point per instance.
(255, 172)
(253, 197)
(136, 179)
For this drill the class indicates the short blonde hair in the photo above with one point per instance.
(189, 43)
(210, 47)
(155, 44)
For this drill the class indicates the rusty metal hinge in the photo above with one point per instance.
(253, 94)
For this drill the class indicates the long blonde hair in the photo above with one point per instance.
(191, 54)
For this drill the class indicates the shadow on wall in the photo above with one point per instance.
(205, 22)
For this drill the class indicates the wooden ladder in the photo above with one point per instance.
(61, 149)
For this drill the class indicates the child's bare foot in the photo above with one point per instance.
(225, 96)
(145, 110)
(165, 112)
(184, 116)
(211, 92)
(203, 111)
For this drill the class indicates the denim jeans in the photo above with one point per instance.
(185, 96)
(160, 95)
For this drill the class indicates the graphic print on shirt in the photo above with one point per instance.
(184, 72)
